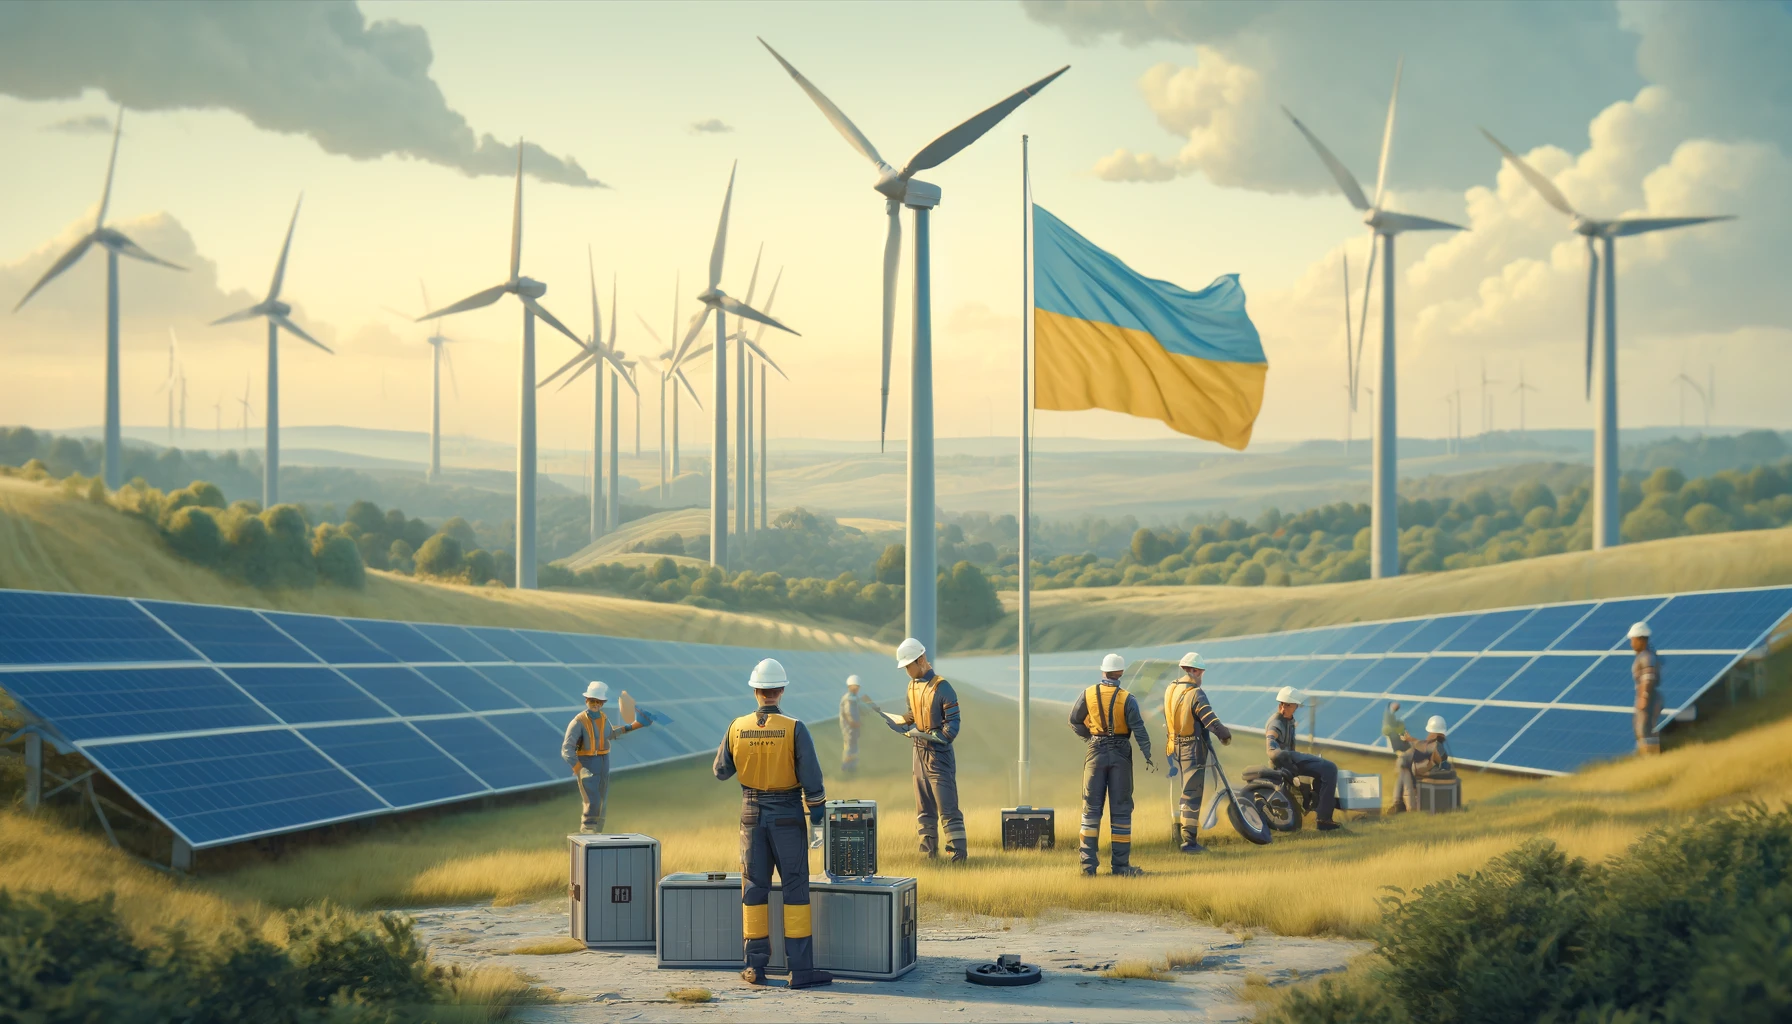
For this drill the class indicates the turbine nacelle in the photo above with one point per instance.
(275, 308)
(530, 287)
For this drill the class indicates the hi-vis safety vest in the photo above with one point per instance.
(1179, 709)
(1106, 715)
(920, 702)
(597, 735)
(764, 750)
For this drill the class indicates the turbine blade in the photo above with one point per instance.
(1592, 307)
(946, 146)
(473, 301)
(735, 307)
(690, 335)
(1387, 136)
(421, 291)
(849, 131)
(753, 282)
(707, 348)
(628, 377)
(280, 267)
(1626, 226)
(1545, 188)
(715, 254)
(242, 314)
(1362, 323)
(448, 358)
(542, 314)
(1349, 354)
(586, 364)
(754, 346)
(287, 325)
(586, 352)
(597, 319)
(1392, 223)
(686, 381)
(125, 247)
(516, 218)
(99, 219)
(892, 262)
(614, 308)
(400, 312)
(651, 333)
(769, 299)
(65, 261)
(1340, 173)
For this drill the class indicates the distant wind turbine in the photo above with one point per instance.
(760, 356)
(598, 354)
(1606, 509)
(115, 244)
(1687, 383)
(1487, 402)
(1520, 391)
(244, 402)
(670, 365)
(527, 292)
(277, 314)
(173, 383)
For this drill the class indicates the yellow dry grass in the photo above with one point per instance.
(49, 541)
(1138, 970)
(547, 947)
(690, 995)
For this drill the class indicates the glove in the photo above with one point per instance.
(1224, 734)
(1151, 766)
(814, 837)
(1172, 772)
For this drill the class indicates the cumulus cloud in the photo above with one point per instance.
(359, 89)
(87, 124)
(1125, 165)
(711, 126)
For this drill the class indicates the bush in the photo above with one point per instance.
(338, 559)
(194, 535)
(440, 555)
(892, 565)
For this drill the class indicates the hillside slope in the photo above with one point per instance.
(51, 542)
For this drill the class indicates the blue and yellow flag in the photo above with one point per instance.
(1107, 337)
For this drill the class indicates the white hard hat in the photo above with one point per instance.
(768, 675)
(596, 689)
(907, 651)
(1192, 659)
(1640, 629)
(852, 680)
(1290, 695)
(1435, 724)
(1113, 663)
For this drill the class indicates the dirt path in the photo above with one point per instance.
(1071, 948)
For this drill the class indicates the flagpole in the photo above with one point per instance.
(1026, 478)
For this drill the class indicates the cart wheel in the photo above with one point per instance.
(1247, 820)
(1002, 975)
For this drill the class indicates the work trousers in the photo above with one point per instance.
(1107, 777)
(849, 750)
(1187, 754)
(1325, 779)
(936, 798)
(1648, 741)
(1406, 786)
(595, 791)
(774, 834)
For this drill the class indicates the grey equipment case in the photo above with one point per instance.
(612, 889)
(849, 838)
(865, 928)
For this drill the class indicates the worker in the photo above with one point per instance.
(1646, 671)
(932, 723)
(779, 774)
(1108, 718)
(1428, 758)
(1188, 718)
(1393, 727)
(849, 727)
(1278, 736)
(587, 749)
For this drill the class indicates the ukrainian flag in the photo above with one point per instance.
(1107, 337)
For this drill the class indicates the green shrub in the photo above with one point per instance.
(194, 535)
(338, 559)
(440, 555)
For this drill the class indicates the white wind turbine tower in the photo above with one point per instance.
(1520, 392)
(244, 402)
(277, 314)
(115, 244)
(670, 364)
(1605, 429)
(174, 382)
(748, 354)
(528, 291)
(759, 504)
(900, 189)
(722, 305)
(1384, 535)
(600, 354)
(439, 355)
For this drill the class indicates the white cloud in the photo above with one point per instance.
(1125, 165)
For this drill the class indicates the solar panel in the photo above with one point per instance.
(231, 723)
(1530, 689)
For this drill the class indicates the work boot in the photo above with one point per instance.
(1127, 871)
(1088, 872)
(810, 979)
(1329, 826)
(1193, 847)
(753, 976)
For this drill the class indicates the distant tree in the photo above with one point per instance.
(462, 531)
(891, 565)
(967, 598)
(194, 535)
(440, 555)
(338, 559)
(400, 557)
(289, 545)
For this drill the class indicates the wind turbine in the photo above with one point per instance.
(764, 471)
(528, 291)
(1486, 403)
(1606, 509)
(748, 354)
(1349, 363)
(1520, 391)
(439, 354)
(172, 383)
(277, 314)
(900, 189)
(1685, 383)
(1384, 534)
(597, 354)
(244, 402)
(115, 244)
(670, 364)
(721, 304)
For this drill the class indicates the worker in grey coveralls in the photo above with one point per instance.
(1646, 672)
(1188, 718)
(849, 727)
(587, 749)
(1108, 718)
(774, 756)
(932, 722)
(1278, 736)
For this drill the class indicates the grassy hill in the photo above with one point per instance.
(52, 542)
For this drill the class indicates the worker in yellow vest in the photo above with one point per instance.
(1108, 718)
(779, 774)
(587, 749)
(1188, 718)
(932, 723)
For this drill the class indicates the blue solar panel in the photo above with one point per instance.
(328, 638)
(1730, 621)
(1542, 628)
(1430, 674)
(1433, 634)
(43, 629)
(1343, 640)
(404, 691)
(568, 684)
(558, 646)
(399, 640)
(1384, 639)
(1563, 739)
(99, 703)
(509, 643)
(1605, 628)
(216, 788)
(526, 686)
(1684, 676)
(229, 635)
(460, 643)
(301, 694)
(1382, 676)
(541, 741)
(469, 687)
(1479, 678)
(1481, 730)
(1544, 679)
(1484, 630)
(485, 752)
(1609, 684)
(396, 762)
(1353, 719)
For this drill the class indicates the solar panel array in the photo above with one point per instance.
(231, 723)
(1542, 689)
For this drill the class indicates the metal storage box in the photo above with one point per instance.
(1437, 796)
(849, 838)
(612, 889)
(1029, 828)
(1360, 793)
(865, 928)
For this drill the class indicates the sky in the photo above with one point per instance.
(1164, 143)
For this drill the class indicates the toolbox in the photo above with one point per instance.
(1360, 794)
(1029, 828)
(865, 928)
(612, 889)
(849, 838)
(1440, 795)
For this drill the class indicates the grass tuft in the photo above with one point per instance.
(690, 995)
(1185, 959)
(547, 947)
(1137, 970)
